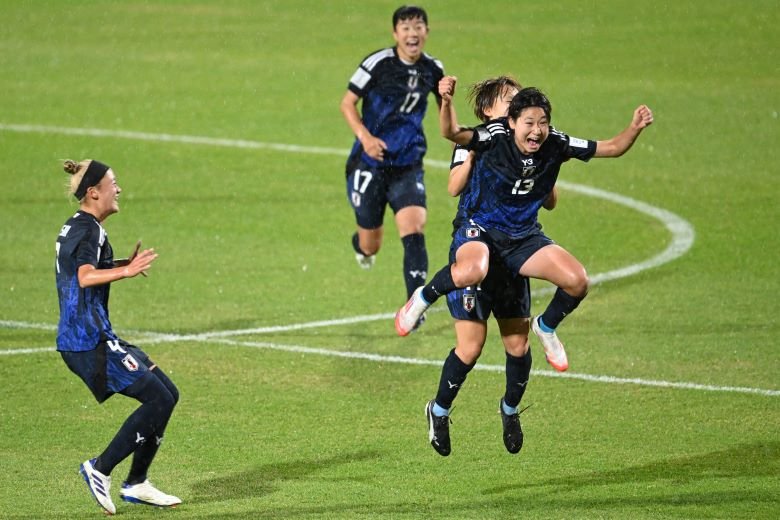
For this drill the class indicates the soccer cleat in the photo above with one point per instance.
(513, 433)
(99, 485)
(411, 316)
(365, 262)
(145, 493)
(438, 430)
(553, 348)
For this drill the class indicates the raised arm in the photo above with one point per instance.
(448, 120)
(373, 146)
(621, 143)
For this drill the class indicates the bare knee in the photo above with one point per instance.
(468, 353)
(467, 274)
(576, 284)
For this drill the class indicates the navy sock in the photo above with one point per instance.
(140, 427)
(356, 244)
(453, 374)
(440, 284)
(518, 370)
(415, 261)
(561, 305)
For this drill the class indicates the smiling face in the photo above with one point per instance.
(531, 128)
(410, 36)
(102, 199)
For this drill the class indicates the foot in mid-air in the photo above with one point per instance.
(438, 430)
(513, 433)
(365, 261)
(553, 348)
(412, 314)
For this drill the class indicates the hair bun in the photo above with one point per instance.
(70, 166)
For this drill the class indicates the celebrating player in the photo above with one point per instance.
(514, 175)
(494, 288)
(385, 165)
(85, 268)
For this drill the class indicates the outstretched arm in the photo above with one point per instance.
(620, 144)
(89, 275)
(373, 146)
(448, 120)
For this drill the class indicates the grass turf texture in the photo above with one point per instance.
(260, 238)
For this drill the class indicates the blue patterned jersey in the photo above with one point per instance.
(507, 187)
(83, 311)
(394, 99)
(459, 154)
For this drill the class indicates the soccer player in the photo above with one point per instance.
(85, 268)
(512, 178)
(496, 290)
(385, 165)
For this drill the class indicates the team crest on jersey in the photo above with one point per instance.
(469, 300)
(472, 232)
(414, 79)
(130, 363)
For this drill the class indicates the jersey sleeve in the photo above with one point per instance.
(88, 249)
(459, 155)
(481, 139)
(574, 147)
(361, 80)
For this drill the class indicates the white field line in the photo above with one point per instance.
(381, 358)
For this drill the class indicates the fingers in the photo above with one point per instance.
(447, 87)
(643, 116)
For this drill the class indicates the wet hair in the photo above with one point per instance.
(484, 94)
(84, 175)
(527, 98)
(409, 12)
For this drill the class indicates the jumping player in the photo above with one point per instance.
(499, 291)
(385, 164)
(85, 268)
(513, 176)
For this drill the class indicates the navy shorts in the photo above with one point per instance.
(503, 293)
(371, 189)
(110, 368)
(514, 252)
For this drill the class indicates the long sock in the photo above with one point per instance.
(356, 244)
(144, 455)
(440, 284)
(453, 374)
(140, 427)
(518, 370)
(415, 261)
(560, 306)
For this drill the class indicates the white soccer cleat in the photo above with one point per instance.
(410, 316)
(99, 485)
(553, 348)
(145, 493)
(365, 262)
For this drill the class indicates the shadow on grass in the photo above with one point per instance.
(750, 460)
(263, 480)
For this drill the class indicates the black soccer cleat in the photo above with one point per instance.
(438, 430)
(513, 433)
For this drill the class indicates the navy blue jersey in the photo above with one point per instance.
(508, 187)
(395, 97)
(459, 154)
(83, 311)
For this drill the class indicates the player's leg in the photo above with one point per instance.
(411, 226)
(459, 362)
(469, 258)
(159, 395)
(537, 256)
(514, 334)
(366, 194)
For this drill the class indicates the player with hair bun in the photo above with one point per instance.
(85, 268)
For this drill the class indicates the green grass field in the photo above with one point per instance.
(313, 407)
